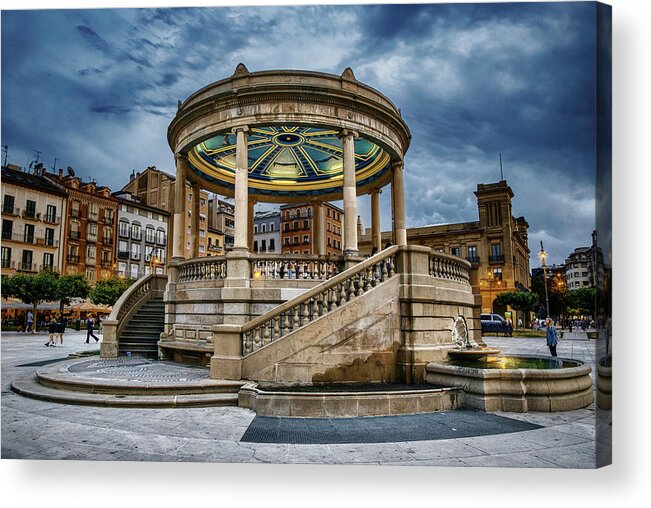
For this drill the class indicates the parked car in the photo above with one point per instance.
(494, 323)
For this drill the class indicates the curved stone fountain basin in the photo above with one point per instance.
(563, 385)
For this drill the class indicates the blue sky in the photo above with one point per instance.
(97, 89)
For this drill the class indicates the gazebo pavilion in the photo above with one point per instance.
(292, 136)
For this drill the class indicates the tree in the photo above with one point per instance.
(107, 291)
(32, 289)
(557, 296)
(524, 301)
(582, 300)
(71, 286)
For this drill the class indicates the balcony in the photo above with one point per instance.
(8, 263)
(161, 241)
(25, 266)
(75, 235)
(47, 242)
(107, 240)
(106, 263)
(31, 215)
(108, 220)
(123, 254)
(10, 210)
(135, 256)
(91, 261)
(73, 258)
(137, 237)
(123, 233)
(472, 259)
(19, 237)
(75, 212)
(51, 219)
(91, 238)
(150, 239)
(93, 217)
(496, 258)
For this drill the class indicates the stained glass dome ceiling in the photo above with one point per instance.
(288, 160)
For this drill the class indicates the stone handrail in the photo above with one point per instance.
(208, 268)
(136, 292)
(318, 301)
(446, 266)
(295, 266)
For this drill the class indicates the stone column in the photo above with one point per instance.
(318, 216)
(196, 210)
(241, 189)
(249, 225)
(178, 240)
(398, 191)
(350, 194)
(376, 236)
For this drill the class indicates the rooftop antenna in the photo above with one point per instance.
(501, 169)
(54, 166)
(5, 150)
(37, 153)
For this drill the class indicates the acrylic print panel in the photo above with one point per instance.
(244, 248)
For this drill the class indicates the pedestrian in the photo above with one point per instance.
(52, 330)
(30, 322)
(61, 328)
(552, 336)
(90, 322)
(520, 323)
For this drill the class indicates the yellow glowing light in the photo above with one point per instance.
(257, 274)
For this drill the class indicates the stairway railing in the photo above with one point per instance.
(446, 266)
(133, 298)
(318, 301)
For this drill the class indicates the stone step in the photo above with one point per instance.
(30, 386)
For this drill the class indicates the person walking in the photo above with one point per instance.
(61, 328)
(52, 330)
(552, 336)
(30, 322)
(90, 322)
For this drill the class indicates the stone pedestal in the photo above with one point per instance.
(226, 363)
(109, 346)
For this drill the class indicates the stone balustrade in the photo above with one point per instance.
(445, 266)
(318, 301)
(208, 268)
(289, 266)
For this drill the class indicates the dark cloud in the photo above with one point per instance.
(97, 89)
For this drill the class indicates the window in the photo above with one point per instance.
(496, 250)
(30, 208)
(202, 233)
(272, 245)
(264, 228)
(108, 215)
(93, 211)
(286, 240)
(272, 226)
(7, 229)
(328, 212)
(328, 226)
(91, 233)
(255, 229)
(29, 233)
(295, 225)
(202, 202)
(75, 209)
(49, 237)
(286, 226)
(136, 232)
(123, 229)
(306, 224)
(122, 269)
(91, 252)
(306, 239)
(263, 245)
(497, 274)
(8, 205)
(150, 234)
(90, 273)
(160, 237)
(472, 252)
(255, 246)
(455, 251)
(6, 256)
(202, 248)
(27, 260)
(134, 271)
(135, 251)
(296, 240)
(51, 214)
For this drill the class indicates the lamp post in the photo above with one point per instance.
(543, 257)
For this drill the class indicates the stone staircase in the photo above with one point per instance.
(142, 333)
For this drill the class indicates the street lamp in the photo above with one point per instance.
(543, 257)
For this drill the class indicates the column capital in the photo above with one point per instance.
(399, 164)
(348, 132)
(243, 128)
(180, 156)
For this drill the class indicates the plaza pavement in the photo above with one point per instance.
(33, 429)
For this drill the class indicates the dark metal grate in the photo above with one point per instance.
(381, 429)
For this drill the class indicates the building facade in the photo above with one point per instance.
(89, 238)
(221, 216)
(496, 245)
(215, 242)
(298, 229)
(142, 237)
(155, 188)
(584, 267)
(32, 227)
(266, 232)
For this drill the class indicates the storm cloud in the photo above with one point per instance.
(96, 89)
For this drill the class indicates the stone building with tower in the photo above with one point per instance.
(496, 245)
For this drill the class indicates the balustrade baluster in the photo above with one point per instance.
(295, 320)
(266, 333)
(248, 342)
(332, 298)
(286, 323)
(276, 324)
(306, 313)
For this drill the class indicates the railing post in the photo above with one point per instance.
(236, 294)
(109, 345)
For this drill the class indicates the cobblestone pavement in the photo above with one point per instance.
(41, 430)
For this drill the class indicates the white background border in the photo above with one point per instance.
(626, 483)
